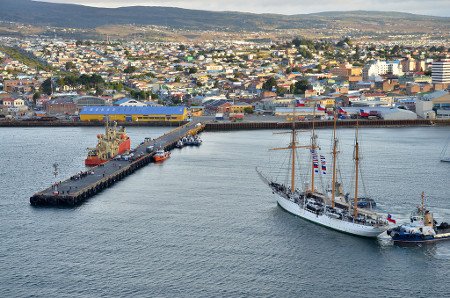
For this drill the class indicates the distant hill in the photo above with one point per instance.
(78, 16)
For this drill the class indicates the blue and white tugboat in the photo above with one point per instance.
(421, 229)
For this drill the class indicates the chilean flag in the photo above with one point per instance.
(363, 114)
(390, 219)
(320, 107)
(299, 103)
(342, 111)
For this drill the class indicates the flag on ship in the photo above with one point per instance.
(315, 158)
(324, 164)
(390, 219)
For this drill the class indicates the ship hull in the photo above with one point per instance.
(329, 222)
(161, 158)
(93, 161)
(411, 239)
(124, 146)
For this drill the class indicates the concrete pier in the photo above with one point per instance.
(81, 186)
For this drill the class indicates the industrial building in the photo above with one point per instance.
(130, 113)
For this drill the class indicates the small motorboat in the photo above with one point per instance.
(161, 155)
(179, 144)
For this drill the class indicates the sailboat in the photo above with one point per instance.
(327, 209)
(445, 156)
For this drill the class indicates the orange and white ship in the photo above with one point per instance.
(115, 141)
(161, 155)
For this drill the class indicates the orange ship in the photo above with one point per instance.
(115, 141)
(161, 155)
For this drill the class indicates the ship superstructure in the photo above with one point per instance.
(113, 142)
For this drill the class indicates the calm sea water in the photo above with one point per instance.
(202, 224)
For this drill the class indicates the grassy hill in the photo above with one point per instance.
(78, 16)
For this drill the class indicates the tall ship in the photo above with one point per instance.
(113, 142)
(329, 208)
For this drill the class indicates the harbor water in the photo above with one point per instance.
(202, 224)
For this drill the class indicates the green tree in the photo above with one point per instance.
(269, 84)
(36, 96)
(47, 86)
(70, 65)
(130, 69)
(248, 110)
(300, 86)
(192, 70)
(71, 80)
(61, 82)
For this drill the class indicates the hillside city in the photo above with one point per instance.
(55, 78)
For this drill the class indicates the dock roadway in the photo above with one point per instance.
(81, 186)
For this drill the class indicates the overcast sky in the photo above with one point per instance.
(429, 7)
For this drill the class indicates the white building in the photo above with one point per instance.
(129, 102)
(440, 72)
(378, 68)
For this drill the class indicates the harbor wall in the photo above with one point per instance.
(222, 126)
(225, 125)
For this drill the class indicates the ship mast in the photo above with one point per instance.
(313, 146)
(333, 187)
(293, 147)
(423, 203)
(355, 202)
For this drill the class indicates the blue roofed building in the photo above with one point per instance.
(134, 114)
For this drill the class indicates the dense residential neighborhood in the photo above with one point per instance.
(55, 77)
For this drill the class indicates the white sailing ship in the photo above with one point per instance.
(328, 209)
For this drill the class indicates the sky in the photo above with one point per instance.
(427, 7)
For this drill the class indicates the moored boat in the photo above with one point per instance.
(179, 144)
(115, 141)
(161, 155)
(330, 210)
(422, 228)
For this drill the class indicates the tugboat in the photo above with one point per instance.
(421, 229)
(115, 141)
(161, 155)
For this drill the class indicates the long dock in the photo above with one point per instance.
(78, 188)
